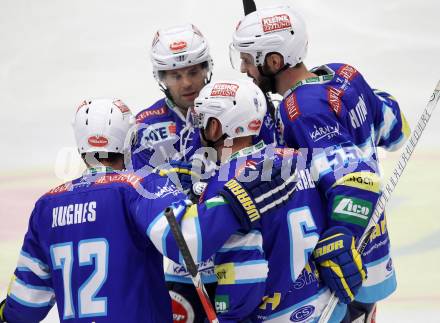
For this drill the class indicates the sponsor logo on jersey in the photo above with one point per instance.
(221, 303)
(178, 46)
(334, 99)
(97, 141)
(352, 210)
(224, 89)
(358, 115)
(244, 199)
(291, 106)
(305, 180)
(157, 132)
(167, 190)
(121, 106)
(327, 132)
(277, 22)
(302, 313)
(362, 180)
(182, 309)
(61, 189)
(274, 301)
(130, 179)
(151, 113)
(254, 125)
(348, 72)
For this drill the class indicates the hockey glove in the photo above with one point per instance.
(2, 308)
(249, 199)
(339, 264)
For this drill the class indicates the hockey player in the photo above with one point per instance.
(319, 107)
(86, 246)
(182, 65)
(227, 113)
(84, 249)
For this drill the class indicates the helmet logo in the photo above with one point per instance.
(239, 130)
(121, 106)
(97, 141)
(178, 46)
(224, 89)
(274, 23)
(254, 125)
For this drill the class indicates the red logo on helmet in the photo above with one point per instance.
(291, 106)
(277, 22)
(254, 125)
(178, 46)
(224, 89)
(121, 106)
(98, 141)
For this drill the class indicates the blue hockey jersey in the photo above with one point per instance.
(339, 116)
(164, 133)
(86, 249)
(265, 274)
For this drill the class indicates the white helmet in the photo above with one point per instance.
(178, 47)
(102, 125)
(275, 29)
(240, 106)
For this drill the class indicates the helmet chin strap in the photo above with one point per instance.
(270, 83)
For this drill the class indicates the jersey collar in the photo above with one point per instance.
(175, 109)
(320, 79)
(248, 150)
(98, 169)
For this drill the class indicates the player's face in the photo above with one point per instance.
(185, 84)
(248, 66)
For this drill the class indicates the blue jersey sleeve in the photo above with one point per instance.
(30, 294)
(241, 271)
(337, 165)
(391, 127)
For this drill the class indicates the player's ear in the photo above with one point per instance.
(274, 61)
(214, 128)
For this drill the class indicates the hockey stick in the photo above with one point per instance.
(191, 266)
(389, 188)
(249, 6)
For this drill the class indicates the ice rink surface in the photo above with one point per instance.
(53, 54)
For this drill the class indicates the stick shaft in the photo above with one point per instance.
(389, 188)
(191, 266)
